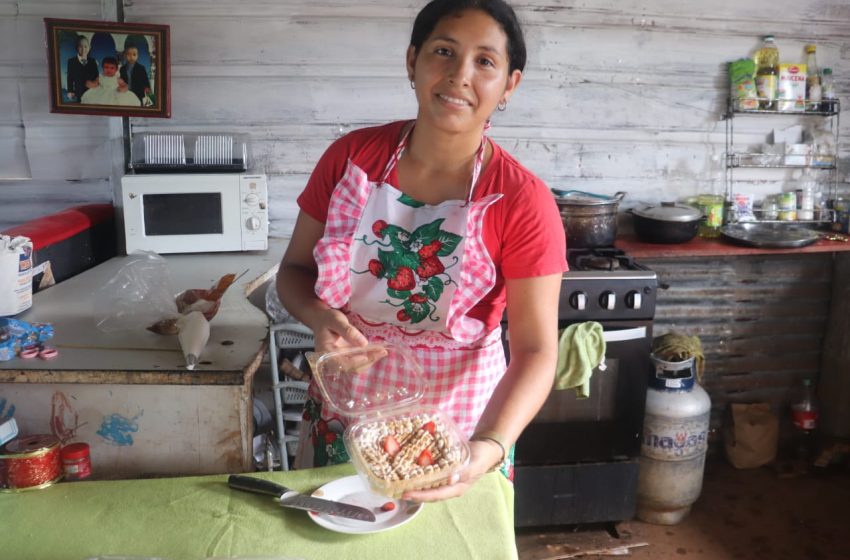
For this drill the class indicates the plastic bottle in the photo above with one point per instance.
(767, 72)
(814, 90)
(804, 414)
(828, 96)
(808, 192)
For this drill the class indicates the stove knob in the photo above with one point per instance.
(607, 300)
(578, 300)
(634, 300)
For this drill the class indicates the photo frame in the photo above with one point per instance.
(109, 68)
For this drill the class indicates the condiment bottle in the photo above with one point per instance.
(804, 414)
(828, 96)
(767, 72)
(813, 82)
(76, 461)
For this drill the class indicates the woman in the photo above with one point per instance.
(423, 232)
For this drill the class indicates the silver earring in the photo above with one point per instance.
(412, 84)
(503, 104)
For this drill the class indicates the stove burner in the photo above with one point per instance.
(592, 262)
(601, 258)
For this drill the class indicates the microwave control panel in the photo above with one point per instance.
(254, 204)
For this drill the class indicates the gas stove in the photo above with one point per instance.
(606, 284)
(577, 461)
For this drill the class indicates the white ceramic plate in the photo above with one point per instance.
(354, 490)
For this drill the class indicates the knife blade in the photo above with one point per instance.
(290, 498)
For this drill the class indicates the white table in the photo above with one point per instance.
(128, 394)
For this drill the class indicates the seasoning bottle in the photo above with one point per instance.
(828, 97)
(76, 461)
(712, 210)
(814, 90)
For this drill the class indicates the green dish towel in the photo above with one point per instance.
(581, 348)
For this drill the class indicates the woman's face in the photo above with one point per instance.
(461, 71)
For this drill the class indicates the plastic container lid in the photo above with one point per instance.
(75, 451)
(371, 380)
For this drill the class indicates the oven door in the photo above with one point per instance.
(608, 424)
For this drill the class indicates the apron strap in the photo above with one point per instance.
(476, 168)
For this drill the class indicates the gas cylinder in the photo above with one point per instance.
(675, 441)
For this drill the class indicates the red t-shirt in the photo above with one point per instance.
(523, 231)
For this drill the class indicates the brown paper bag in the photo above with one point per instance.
(751, 435)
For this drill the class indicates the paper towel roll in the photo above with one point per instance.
(15, 275)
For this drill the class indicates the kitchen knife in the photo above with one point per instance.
(291, 498)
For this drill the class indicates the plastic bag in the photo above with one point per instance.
(139, 295)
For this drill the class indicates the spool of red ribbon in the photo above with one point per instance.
(30, 463)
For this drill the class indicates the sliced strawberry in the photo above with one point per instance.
(424, 459)
(389, 506)
(391, 446)
(430, 427)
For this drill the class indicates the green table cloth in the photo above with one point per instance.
(194, 518)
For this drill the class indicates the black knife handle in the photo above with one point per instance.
(258, 485)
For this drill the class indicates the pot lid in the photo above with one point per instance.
(669, 212)
(585, 198)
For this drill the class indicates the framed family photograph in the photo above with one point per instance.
(108, 68)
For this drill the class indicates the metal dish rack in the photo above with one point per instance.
(289, 394)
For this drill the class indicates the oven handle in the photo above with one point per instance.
(623, 335)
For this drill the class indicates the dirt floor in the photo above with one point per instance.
(757, 514)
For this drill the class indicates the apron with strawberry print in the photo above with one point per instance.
(406, 272)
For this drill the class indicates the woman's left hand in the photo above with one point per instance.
(482, 456)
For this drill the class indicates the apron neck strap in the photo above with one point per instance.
(405, 140)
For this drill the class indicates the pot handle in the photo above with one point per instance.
(619, 195)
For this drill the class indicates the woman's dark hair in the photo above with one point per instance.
(499, 10)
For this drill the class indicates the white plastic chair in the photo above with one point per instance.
(289, 395)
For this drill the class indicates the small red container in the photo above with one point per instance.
(76, 461)
(30, 463)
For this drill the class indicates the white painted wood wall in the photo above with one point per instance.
(618, 94)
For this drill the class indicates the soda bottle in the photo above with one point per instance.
(767, 72)
(828, 91)
(804, 414)
(813, 81)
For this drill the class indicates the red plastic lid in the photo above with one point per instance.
(75, 451)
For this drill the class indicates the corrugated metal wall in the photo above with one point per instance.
(761, 321)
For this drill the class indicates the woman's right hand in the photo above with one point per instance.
(332, 331)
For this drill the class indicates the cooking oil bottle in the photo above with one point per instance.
(767, 72)
(813, 80)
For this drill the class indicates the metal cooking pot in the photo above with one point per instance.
(590, 220)
(668, 222)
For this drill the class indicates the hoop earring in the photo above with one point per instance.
(412, 84)
(503, 104)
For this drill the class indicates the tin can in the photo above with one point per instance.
(841, 222)
(76, 461)
(30, 463)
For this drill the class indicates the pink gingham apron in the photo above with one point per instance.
(416, 293)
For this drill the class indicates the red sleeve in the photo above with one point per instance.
(533, 243)
(315, 198)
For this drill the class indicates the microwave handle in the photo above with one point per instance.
(623, 335)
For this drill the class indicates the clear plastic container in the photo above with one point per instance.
(395, 443)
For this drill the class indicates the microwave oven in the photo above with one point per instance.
(189, 213)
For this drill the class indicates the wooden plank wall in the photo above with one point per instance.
(618, 95)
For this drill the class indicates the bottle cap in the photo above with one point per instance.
(827, 70)
(807, 382)
(811, 48)
(768, 38)
(75, 451)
